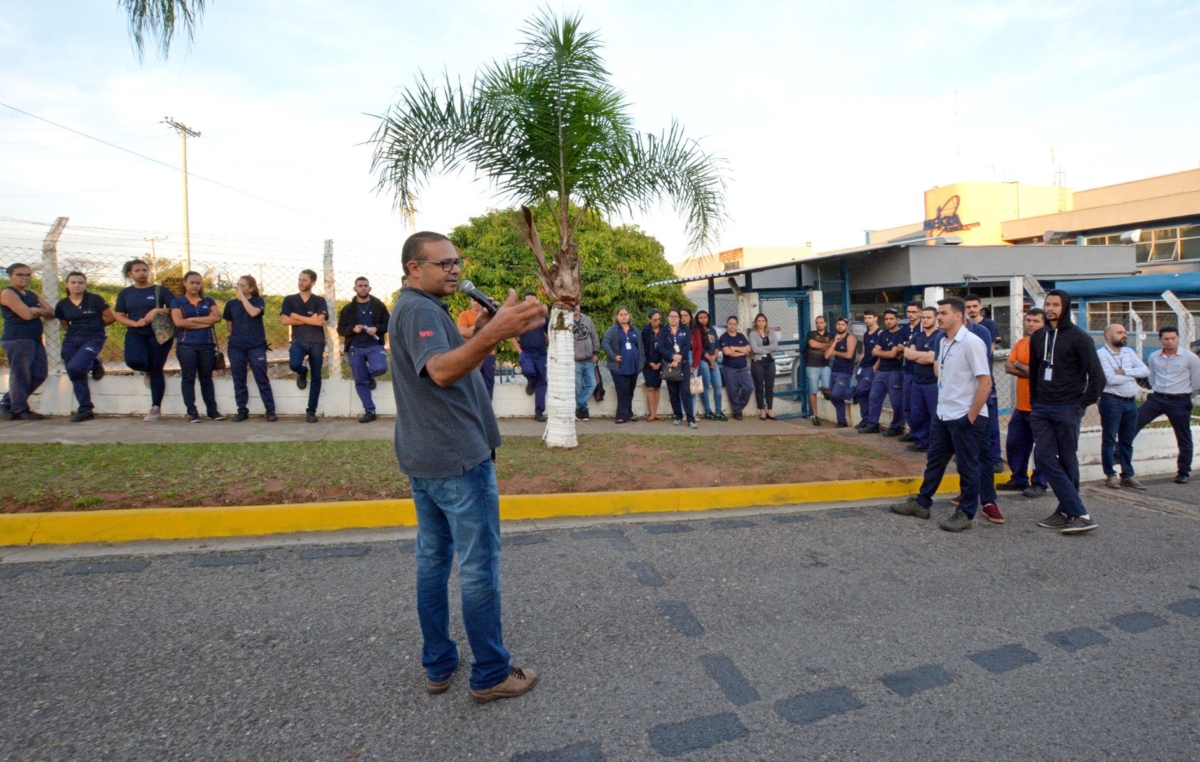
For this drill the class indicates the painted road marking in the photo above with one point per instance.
(1137, 622)
(807, 708)
(108, 567)
(1190, 607)
(733, 684)
(912, 681)
(1004, 659)
(1077, 639)
(646, 574)
(673, 739)
(226, 559)
(668, 528)
(576, 752)
(680, 617)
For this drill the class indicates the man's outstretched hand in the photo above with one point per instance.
(513, 319)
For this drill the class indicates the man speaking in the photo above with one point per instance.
(445, 434)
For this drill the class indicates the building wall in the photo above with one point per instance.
(1139, 190)
(982, 208)
(890, 234)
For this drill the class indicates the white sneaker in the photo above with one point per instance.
(154, 414)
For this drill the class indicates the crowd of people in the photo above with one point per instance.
(156, 320)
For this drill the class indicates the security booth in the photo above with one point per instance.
(851, 281)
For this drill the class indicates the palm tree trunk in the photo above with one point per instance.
(560, 391)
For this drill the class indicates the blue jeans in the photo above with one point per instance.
(1020, 448)
(144, 354)
(196, 360)
(961, 440)
(534, 370)
(818, 379)
(862, 391)
(79, 357)
(314, 351)
(462, 513)
(27, 370)
(256, 360)
(362, 369)
(585, 383)
(1118, 423)
(890, 384)
(1179, 412)
(922, 409)
(711, 376)
(840, 393)
(1056, 447)
(738, 385)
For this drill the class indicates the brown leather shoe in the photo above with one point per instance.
(518, 681)
(439, 687)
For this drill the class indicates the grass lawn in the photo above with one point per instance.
(55, 477)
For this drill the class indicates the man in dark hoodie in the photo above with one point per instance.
(1065, 376)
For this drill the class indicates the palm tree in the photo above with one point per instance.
(157, 19)
(546, 127)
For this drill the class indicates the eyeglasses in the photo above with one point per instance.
(447, 264)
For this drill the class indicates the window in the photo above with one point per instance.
(1154, 314)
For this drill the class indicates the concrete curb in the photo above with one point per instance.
(75, 527)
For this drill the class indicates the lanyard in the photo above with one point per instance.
(946, 352)
(1049, 347)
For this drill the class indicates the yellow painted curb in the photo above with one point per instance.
(73, 527)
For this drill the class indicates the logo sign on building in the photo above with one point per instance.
(947, 219)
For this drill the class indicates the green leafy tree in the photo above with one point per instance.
(547, 129)
(617, 263)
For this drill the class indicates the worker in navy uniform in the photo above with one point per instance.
(840, 354)
(652, 373)
(976, 317)
(84, 315)
(735, 368)
(921, 354)
(912, 311)
(866, 368)
(888, 381)
(532, 349)
(675, 347)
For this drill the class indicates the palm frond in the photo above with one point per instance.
(158, 20)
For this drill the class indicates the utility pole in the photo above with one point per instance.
(154, 256)
(184, 131)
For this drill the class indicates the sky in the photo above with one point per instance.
(830, 118)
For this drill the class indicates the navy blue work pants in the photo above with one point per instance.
(144, 354)
(256, 361)
(890, 384)
(79, 357)
(314, 352)
(959, 439)
(1019, 448)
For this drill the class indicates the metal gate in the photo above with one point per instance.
(787, 314)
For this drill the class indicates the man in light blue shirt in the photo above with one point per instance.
(1175, 379)
(1118, 406)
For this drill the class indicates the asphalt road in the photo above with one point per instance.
(835, 634)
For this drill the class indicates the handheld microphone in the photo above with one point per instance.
(468, 288)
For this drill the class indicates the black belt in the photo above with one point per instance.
(1174, 396)
(1110, 394)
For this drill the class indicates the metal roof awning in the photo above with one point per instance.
(949, 240)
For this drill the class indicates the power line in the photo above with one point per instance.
(168, 166)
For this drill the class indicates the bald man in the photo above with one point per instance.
(1118, 407)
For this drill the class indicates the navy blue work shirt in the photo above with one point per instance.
(890, 340)
(245, 332)
(734, 340)
(85, 321)
(924, 374)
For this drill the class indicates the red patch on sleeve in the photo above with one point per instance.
(426, 334)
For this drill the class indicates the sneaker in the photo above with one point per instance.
(959, 522)
(1056, 520)
(869, 430)
(619, 420)
(991, 512)
(433, 688)
(193, 418)
(675, 421)
(1010, 486)
(29, 415)
(216, 416)
(372, 383)
(1132, 483)
(1112, 482)
(86, 415)
(154, 414)
(956, 499)
(998, 467)
(301, 382)
(518, 681)
(1181, 479)
(918, 448)
(816, 420)
(860, 425)
(540, 417)
(240, 417)
(693, 425)
(842, 426)
(310, 417)
(529, 389)
(1034, 491)
(908, 437)
(97, 371)
(1079, 525)
(892, 433)
(737, 416)
(719, 417)
(367, 417)
(708, 416)
(271, 417)
(910, 507)
(826, 393)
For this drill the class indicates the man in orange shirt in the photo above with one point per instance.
(466, 329)
(1020, 433)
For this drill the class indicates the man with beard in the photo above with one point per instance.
(1118, 407)
(840, 354)
(1065, 377)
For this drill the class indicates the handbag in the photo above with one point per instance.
(163, 327)
(673, 373)
(598, 395)
(219, 360)
(697, 385)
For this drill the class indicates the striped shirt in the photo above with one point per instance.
(1129, 363)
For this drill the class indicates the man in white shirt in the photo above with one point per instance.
(1118, 407)
(961, 423)
(1175, 379)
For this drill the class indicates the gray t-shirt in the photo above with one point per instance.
(440, 432)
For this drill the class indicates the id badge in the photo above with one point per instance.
(676, 348)
(1049, 373)
(628, 345)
